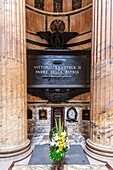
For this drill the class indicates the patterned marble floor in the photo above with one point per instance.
(66, 167)
(43, 138)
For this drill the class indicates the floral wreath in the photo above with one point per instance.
(68, 118)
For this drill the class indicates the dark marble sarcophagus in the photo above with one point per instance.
(58, 74)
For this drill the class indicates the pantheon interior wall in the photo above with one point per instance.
(80, 103)
(75, 20)
(93, 21)
(77, 17)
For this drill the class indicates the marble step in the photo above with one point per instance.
(66, 167)
(6, 165)
(110, 165)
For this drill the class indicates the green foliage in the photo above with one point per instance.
(56, 125)
(60, 129)
(62, 126)
(53, 133)
(59, 142)
(56, 156)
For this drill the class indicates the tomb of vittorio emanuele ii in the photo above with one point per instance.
(56, 61)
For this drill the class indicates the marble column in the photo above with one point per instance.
(14, 144)
(100, 144)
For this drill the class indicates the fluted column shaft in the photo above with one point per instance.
(100, 144)
(13, 99)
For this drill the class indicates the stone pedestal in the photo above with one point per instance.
(100, 144)
(14, 144)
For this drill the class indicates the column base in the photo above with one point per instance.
(99, 152)
(16, 153)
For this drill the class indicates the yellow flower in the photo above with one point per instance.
(59, 142)
(60, 147)
(63, 138)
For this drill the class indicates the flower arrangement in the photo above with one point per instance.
(59, 143)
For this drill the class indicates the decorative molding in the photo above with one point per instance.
(76, 4)
(68, 104)
(57, 95)
(84, 33)
(67, 45)
(39, 4)
(57, 26)
(57, 39)
(59, 14)
(57, 5)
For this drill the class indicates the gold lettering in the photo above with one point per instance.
(37, 67)
(43, 67)
(41, 72)
(79, 67)
(72, 72)
(57, 69)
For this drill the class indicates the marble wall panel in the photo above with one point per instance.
(36, 126)
(35, 22)
(30, 2)
(67, 5)
(81, 37)
(48, 5)
(39, 126)
(86, 21)
(81, 23)
(86, 2)
(81, 126)
(75, 23)
(34, 37)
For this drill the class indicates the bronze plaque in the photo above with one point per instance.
(43, 114)
(85, 114)
(55, 69)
